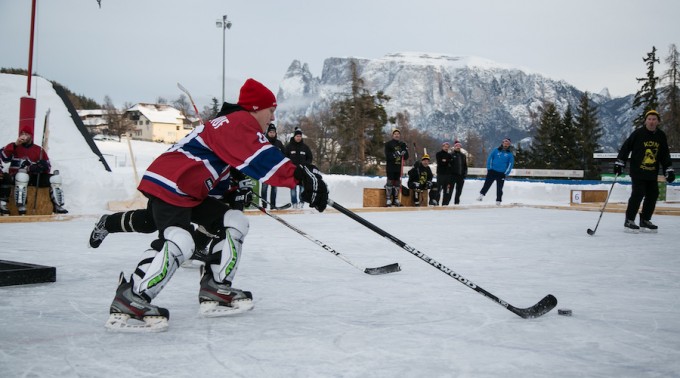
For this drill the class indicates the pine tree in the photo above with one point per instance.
(545, 149)
(646, 97)
(359, 120)
(210, 112)
(671, 108)
(589, 134)
(569, 155)
(522, 157)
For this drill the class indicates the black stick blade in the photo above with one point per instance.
(541, 308)
(591, 232)
(383, 269)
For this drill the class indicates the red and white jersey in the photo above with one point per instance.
(185, 174)
(19, 155)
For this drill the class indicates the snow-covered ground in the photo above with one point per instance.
(317, 316)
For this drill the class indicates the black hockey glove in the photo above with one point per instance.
(39, 167)
(241, 198)
(315, 191)
(618, 167)
(670, 175)
(429, 185)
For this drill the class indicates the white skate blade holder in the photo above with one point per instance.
(211, 309)
(124, 323)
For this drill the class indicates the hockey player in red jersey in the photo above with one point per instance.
(177, 185)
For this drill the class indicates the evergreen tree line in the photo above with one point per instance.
(661, 94)
(565, 141)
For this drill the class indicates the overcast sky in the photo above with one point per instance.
(136, 51)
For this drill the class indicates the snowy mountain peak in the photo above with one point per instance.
(450, 61)
(605, 93)
(445, 95)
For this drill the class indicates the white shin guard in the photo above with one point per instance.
(157, 267)
(237, 227)
(56, 192)
(21, 187)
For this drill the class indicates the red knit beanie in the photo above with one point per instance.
(26, 129)
(254, 96)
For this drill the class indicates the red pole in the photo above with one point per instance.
(27, 103)
(30, 49)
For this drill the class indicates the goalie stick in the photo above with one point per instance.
(542, 307)
(391, 268)
(43, 144)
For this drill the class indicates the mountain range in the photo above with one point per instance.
(448, 96)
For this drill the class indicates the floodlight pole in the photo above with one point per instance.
(224, 24)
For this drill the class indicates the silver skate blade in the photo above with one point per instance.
(211, 309)
(124, 323)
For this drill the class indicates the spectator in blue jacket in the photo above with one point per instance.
(498, 165)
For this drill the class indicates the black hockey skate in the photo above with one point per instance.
(57, 209)
(630, 227)
(128, 306)
(220, 299)
(648, 226)
(98, 233)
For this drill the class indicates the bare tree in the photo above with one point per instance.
(118, 124)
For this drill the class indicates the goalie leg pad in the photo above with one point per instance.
(20, 188)
(56, 192)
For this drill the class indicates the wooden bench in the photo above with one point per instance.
(376, 197)
(586, 196)
(44, 205)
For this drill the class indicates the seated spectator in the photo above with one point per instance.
(28, 164)
(420, 178)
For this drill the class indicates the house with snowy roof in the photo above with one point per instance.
(158, 123)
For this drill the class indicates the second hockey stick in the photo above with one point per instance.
(186, 91)
(391, 268)
(542, 307)
(592, 232)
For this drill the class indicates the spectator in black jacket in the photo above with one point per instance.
(271, 137)
(459, 169)
(420, 178)
(299, 154)
(395, 155)
(444, 177)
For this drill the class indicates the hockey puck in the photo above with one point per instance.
(564, 311)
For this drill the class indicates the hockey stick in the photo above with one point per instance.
(284, 207)
(542, 307)
(391, 268)
(42, 149)
(186, 91)
(592, 232)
